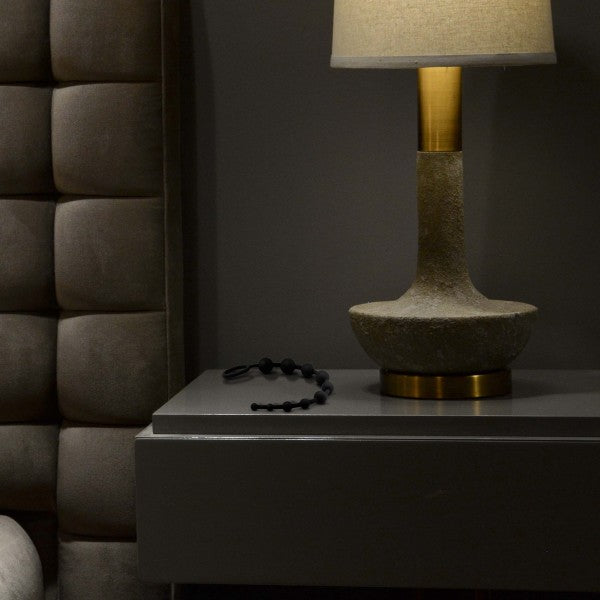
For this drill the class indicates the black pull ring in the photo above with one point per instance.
(238, 371)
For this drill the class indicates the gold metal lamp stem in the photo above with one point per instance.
(440, 109)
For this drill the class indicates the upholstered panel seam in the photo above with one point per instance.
(172, 194)
(65, 83)
(66, 313)
(95, 425)
(42, 422)
(165, 191)
(73, 537)
(49, 196)
(51, 311)
(34, 84)
(70, 197)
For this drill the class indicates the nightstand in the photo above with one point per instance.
(373, 491)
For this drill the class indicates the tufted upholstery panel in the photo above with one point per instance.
(106, 40)
(107, 140)
(25, 161)
(104, 358)
(24, 40)
(95, 481)
(28, 467)
(90, 273)
(27, 257)
(81, 560)
(100, 239)
(27, 367)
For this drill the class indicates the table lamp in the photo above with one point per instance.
(442, 338)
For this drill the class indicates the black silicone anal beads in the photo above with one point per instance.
(287, 366)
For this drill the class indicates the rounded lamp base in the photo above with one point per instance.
(440, 387)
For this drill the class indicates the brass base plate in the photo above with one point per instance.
(441, 387)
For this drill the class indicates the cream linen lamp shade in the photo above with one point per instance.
(428, 33)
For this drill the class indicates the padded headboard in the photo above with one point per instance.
(90, 274)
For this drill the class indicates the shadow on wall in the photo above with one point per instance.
(544, 118)
(198, 192)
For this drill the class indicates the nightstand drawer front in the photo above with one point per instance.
(394, 512)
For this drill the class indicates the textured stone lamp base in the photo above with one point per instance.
(442, 326)
(432, 334)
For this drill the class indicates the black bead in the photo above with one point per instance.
(270, 407)
(320, 397)
(307, 370)
(254, 406)
(304, 403)
(287, 406)
(327, 387)
(321, 377)
(265, 365)
(288, 366)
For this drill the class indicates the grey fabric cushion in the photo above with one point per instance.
(107, 139)
(105, 40)
(27, 367)
(102, 570)
(24, 40)
(27, 257)
(96, 481)
(110, 254)
(111, 368)
(20, 567)
(25, 162)
(28, 467)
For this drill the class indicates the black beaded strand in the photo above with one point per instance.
(287, 366)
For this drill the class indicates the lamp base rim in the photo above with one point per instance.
(445, 386)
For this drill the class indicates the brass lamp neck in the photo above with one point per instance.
(440, 109)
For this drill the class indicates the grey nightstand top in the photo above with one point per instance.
(544, 403)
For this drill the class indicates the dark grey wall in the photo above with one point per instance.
(299, 185)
